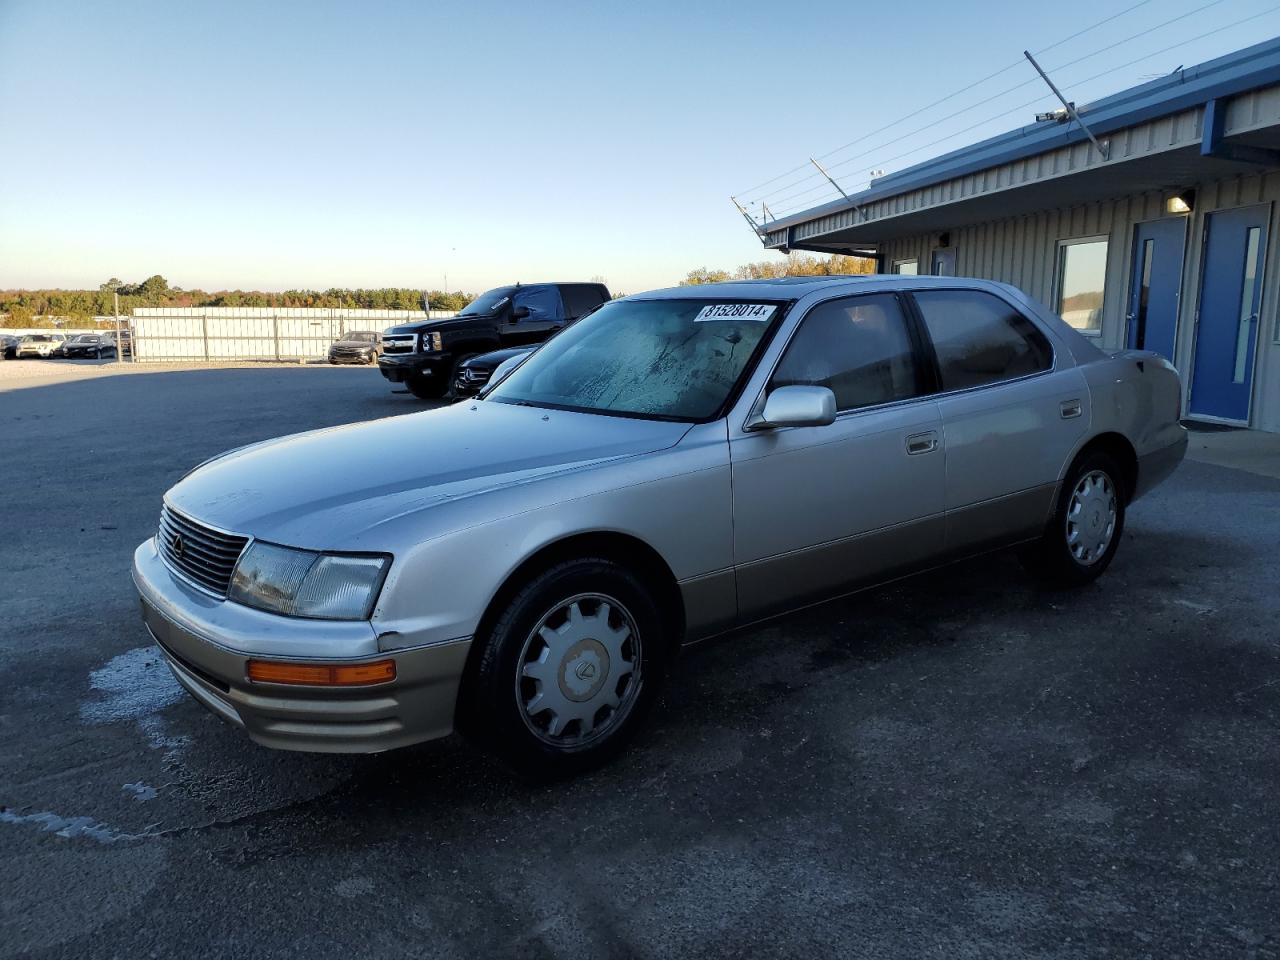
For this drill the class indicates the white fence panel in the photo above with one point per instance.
(254, 333)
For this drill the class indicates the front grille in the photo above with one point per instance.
(400, 343)
(202, 555)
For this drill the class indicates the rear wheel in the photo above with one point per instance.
(1084, 534)
(569, 669)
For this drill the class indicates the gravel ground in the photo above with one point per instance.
(958, 765)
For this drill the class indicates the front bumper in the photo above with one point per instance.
(207, 643)
(403, 366)
(336, 356)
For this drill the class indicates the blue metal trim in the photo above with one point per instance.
(1236, 73)
(1215, 121)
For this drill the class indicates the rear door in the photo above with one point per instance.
(818, 510)
(1010, 418)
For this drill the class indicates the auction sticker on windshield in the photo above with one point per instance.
(735, 311)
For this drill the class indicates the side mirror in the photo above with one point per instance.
(798, 406)
(519, 313)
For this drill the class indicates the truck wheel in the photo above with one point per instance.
(1082, 538)
(569, 669)
(427, 388)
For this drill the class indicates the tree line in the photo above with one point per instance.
(26, 308)
(795, 265)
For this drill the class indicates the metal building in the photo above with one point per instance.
(1163, 234)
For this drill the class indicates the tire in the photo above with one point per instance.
(1076, 547)
(540, 651)
(97, 354)
(427, 388)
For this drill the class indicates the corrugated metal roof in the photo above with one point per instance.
(1226, 76)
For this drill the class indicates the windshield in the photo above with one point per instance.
(36, 338)
(360, 336)
(488, 302)
(662, 359)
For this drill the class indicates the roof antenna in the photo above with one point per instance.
(1104, 150)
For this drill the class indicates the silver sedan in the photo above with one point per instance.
(678, 464)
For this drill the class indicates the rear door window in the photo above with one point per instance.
(580, 298)
(980, 339)
(859, 348)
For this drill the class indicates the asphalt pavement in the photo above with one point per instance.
(958, 765)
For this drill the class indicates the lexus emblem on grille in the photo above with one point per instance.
(178, 547)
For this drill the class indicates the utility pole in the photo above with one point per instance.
(115, 295)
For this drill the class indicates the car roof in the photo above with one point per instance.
(793, 288)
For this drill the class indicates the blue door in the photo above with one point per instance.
(1158, 246)
(1230, 301)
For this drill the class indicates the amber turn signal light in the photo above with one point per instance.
(322, 674)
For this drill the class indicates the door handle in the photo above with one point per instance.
(919, 443)
(1071, 409)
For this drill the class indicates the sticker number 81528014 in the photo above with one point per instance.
(735, 311)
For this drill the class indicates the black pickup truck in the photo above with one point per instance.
(423, 355)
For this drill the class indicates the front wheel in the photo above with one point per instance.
(1084, 534)
(569, 669)
(427, 388)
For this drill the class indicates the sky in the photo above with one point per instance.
(286, 145)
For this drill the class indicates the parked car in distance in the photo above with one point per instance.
(423, 355)
(357, 346)
(8, 346)
(43, 345)
(95, 345)
(475, 373)
(680, 463)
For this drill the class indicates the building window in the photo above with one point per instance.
(907, 267)
(1082, 278)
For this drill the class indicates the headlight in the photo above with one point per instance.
(302, 583)
(433, 341)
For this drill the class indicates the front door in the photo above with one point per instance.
(1228, 318)
(1158, 246)
(818, 510)
(944, 263)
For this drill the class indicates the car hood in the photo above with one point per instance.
(488, 361)
(327, 489)
(362, 344)
(443, 323)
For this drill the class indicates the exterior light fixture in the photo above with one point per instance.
(1183, 202)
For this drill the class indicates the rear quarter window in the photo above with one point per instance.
(980, 339)
(580, 298)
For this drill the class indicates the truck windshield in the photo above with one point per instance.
(657, 359)
(488, 302)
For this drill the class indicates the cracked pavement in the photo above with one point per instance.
(956, 765)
